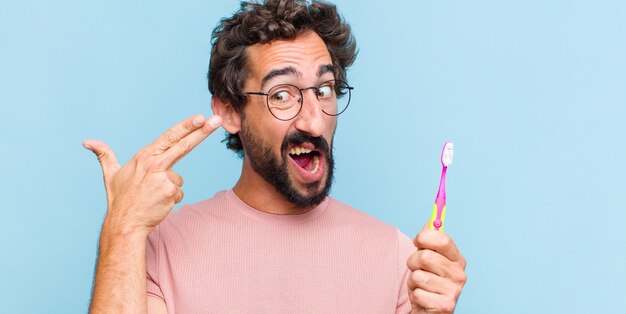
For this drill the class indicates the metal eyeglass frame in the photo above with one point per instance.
(267, 98)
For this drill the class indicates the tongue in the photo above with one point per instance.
(302, 160)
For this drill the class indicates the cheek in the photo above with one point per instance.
(274, 133)
(263, 124)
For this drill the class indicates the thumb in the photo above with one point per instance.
(105, 157)
(424, 228)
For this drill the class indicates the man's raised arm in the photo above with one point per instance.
(139, 196)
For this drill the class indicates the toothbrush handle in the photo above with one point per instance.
(438, 216)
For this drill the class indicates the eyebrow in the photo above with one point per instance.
(323, 69)
(326, 68)
(278, 72)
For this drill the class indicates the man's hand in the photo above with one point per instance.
(142, 193)
(139, 196)
(437, 273)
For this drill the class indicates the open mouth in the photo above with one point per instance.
(307, 158)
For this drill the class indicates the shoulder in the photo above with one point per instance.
(191, 217)
(380, 236)
(361, 222)
(344, 212)
(214, 206)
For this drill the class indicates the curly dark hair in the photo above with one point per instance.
(262, 23)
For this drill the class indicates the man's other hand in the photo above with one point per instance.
(437, 273)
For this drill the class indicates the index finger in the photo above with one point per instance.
(439, 242)
(186, 144)
(175, 134)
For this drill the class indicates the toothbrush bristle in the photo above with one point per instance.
(447, 153)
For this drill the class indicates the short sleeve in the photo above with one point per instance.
(405, 249)
(153, 245)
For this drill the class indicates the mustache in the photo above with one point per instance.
(298, 138)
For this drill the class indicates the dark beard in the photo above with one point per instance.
(265, 163)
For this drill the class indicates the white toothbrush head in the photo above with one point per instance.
(447, 153)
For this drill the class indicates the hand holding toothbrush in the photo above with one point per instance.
(438, 267)
(437, 273)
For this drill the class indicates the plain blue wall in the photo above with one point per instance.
(532, 92)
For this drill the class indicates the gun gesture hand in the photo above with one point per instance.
(141, 193)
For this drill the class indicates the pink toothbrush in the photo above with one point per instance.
(438, 215)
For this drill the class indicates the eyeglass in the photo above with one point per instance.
(285, 100)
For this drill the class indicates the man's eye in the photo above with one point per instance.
(324, 91)
(281, 96)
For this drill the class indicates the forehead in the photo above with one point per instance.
(305, 54)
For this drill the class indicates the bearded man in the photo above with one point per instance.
(275, 242)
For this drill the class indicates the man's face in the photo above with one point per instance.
(294, 156)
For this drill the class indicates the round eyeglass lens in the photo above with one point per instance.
(284, 101)
(334, 96)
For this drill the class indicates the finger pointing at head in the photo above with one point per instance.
(105, 157)
(172, 136)
(189, 141)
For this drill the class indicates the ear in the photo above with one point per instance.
(231, 120)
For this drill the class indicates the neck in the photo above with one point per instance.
(257, 193)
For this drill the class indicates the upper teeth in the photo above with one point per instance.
(299, 150)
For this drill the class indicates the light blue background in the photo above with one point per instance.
(532, 92)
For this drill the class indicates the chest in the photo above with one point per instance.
(282, 270)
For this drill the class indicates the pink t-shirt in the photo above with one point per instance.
(222, 256)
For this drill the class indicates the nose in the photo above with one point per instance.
(311, 119)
